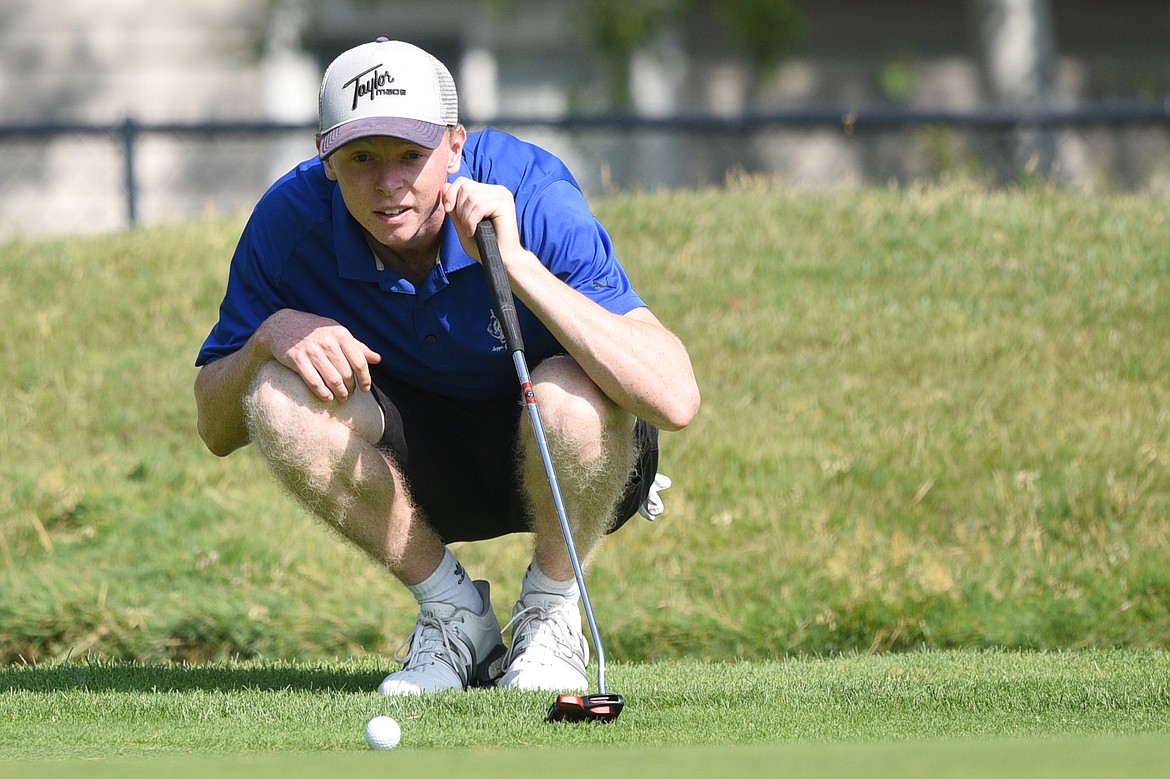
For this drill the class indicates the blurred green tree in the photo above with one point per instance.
(764, 31)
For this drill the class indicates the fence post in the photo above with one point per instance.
(129, 136)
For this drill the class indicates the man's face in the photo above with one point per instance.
(394, 188)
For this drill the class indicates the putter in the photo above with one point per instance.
(604, 706)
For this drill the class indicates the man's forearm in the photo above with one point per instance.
(634, 359)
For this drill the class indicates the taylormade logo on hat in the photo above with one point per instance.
(386, 88)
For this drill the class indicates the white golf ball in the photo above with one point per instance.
(383, 733)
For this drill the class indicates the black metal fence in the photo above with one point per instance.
(93, 177)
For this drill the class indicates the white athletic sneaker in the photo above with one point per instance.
(450, 649)
(548, 649)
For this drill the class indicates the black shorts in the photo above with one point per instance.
(460, 460)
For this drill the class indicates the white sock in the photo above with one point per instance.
(449, 584)
(535, 580)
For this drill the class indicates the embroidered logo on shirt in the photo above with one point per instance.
(496, 331)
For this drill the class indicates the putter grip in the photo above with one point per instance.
(497, 279)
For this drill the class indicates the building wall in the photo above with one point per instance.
(77, 60)
(171, 60)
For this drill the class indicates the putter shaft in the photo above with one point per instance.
(562, 516)
(501, 291)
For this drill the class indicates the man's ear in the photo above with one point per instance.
(330, 171)
(326, 163)
(456, 138)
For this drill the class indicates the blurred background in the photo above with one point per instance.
(132, 112)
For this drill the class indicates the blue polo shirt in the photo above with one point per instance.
(301, 249)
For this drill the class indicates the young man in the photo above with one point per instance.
(357, 348)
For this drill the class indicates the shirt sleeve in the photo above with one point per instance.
(561, 230)
(251, 296)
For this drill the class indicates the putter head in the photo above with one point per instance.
(581, 708)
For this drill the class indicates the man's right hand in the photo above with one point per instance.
(328, 358)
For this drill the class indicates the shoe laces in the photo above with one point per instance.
(434, 637)
(544, 626)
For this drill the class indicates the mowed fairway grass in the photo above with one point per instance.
(951, 714)
(920, 526)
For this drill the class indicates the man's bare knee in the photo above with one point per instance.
(590, 441)
(275, 393)
(574, 410)
(278, 398)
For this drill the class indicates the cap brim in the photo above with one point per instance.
(425, 134)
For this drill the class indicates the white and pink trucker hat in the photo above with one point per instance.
(386, 88)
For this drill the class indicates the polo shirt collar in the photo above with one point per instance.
(451, 254)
